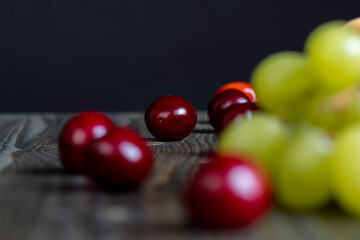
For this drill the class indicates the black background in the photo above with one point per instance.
(68, 55)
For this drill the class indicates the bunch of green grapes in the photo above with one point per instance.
(307, 86)
(309, 131)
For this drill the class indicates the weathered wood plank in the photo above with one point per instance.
(38, 200)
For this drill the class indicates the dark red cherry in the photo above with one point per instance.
(77, 134)
(120, 158)
(227, 192)
(235, 111)
(222, 101)
(170, 118)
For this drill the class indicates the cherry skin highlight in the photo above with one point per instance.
(77, 134)
(170, 118)
(222, 101)
(235, 111)
(228, 192)
(120, 158)
(242, 87)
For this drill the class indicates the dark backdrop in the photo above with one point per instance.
(72, 55)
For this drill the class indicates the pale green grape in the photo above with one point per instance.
(302, 172)
(334, 53)
(345, 170)
(334, 112)
(321, 114)
(352, 112)
(348, 112)
(281, 80)
(262, 136)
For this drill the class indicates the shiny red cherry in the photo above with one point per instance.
(170, 118)
(222, 101)
(77, 134)
(227, 192)
(241, 86)
(235, 111)
(120, 158)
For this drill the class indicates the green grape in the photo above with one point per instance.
(348, 107)
(302, 172)
(334, 53)
(320, 114)
(281, 81)
(345, 170)
(262, 136)
(334, 112)
(352, 112)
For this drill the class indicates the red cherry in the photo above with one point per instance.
(77, 134)
(222, 101)
(241, 86)
(228, 192)
(235, 111)
(170, 118)
(120, 158)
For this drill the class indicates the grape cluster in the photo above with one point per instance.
(308, 134)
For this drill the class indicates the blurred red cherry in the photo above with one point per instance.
(77, 134)
(227, 192)
(120, 158)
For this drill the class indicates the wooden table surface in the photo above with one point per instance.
(40, 201)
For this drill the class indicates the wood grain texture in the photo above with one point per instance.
(39, 201)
